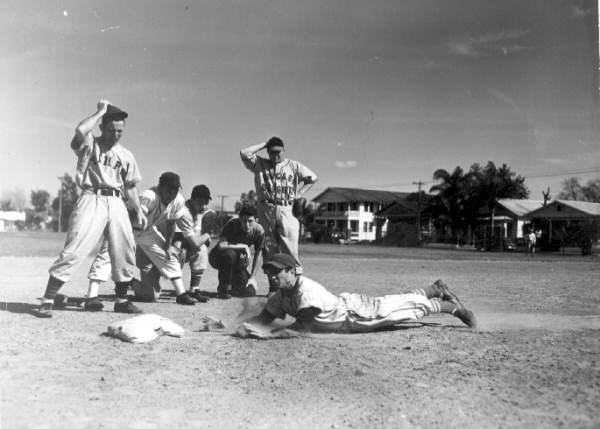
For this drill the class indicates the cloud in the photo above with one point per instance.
(580, 12)
(490, 44)
(346, 164)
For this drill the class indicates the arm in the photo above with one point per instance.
(224, 245)
(304, 319)
(87, 125)
(134, 197)
(169, 234)
(309, 178)
(248, 152)
(264, 318)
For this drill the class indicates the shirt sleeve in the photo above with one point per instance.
(305, 173)
(147, 201)
(132, 173)
(274, 306)
(308, 298)
(186, 223)
(178, 208)
(250, 162)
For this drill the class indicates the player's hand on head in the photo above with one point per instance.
(103, 105)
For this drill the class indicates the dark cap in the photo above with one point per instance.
(201, 191)
(169, 180)
(248, 210)
(113, 113)
(275, 143)
(280, 261)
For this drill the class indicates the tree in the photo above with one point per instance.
(572, 190)
(249, 197)
(69, 195)
(39, 200)
(13, 200)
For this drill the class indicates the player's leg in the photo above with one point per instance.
(198, 262)
(153, 245)
(288, 232)
(98, 274)
(238, 283)
(224, 261)
(148, 288)
(121, 249)
(86, 225)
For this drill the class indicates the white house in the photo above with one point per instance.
(8, 220)
(351, 211)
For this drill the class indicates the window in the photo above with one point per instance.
(366, 227)
(330, 207)
(354, 225)
(354, 206)
(370, 226)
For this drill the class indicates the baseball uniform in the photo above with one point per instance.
(349, 312)
(276, 188)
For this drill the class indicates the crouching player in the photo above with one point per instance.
(318, 310)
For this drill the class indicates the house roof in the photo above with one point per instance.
(520, 207)
(399, 209)
(337, 195)
(574, 209)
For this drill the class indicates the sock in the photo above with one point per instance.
(93, 288)
(446, 306)
(196, 279)
(52, 289)
(178, 285)
(121, 289)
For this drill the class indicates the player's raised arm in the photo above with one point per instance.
(248, 152)
(87, 125)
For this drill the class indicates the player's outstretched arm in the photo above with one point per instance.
(87, 125)
(304, 319)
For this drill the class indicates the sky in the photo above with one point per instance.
(368, 94)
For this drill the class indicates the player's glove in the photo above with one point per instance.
(298, 207)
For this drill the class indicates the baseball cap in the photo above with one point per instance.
(275, 143)
(114, 113)
(280, 261)
(169, 180)
(201, 191)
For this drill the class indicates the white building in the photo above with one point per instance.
(351, 211)
(8, 220)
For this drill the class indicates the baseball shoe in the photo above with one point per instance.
(444, 292)
(198, 295)
(60, 300)
(185, 299)
(93, 304)
(224, 295)
(465, 316)
(44, 311)
(126, 307)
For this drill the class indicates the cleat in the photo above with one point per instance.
(198, 295)
(185, 299)
(44, 311)
(126, 307)
(224, 295)
(93, 304)
(465, 316)
(444, 292)
(60, 300)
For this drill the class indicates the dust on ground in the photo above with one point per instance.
(535, 362)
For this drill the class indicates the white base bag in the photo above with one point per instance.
(144, 328)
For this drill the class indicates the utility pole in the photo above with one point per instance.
(418, 211)
(60, 195)
(222, 208)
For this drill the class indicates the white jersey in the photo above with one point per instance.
(279, 183)
(97, 168)
(156, 212)
(190, 225)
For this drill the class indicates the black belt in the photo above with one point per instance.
(106, 192)
(276, 203)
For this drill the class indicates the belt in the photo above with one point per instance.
(106, 192)
(276, 203)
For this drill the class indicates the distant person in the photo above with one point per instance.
(104, 167)
(317, 310)
(531, 240)
(278, 182)
(231, 256)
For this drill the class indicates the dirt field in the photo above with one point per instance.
(535, 361)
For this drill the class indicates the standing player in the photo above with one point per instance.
(231, 256)
(278, 181)
(196, 221)
(163, 206)
(318, 310)
(103, 168)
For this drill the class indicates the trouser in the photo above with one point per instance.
(148, 288)
(233, 274)
(94, 217)
(282, 231)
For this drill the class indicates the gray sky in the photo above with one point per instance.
(374, 94)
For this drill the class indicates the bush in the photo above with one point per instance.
(401, 234)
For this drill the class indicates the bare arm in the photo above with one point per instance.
(87, 125)
(246, 153)
(134, 197)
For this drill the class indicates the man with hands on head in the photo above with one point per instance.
(104, 168)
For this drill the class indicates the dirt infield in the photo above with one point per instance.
(535, 362)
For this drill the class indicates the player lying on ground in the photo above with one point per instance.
(231, 256)
(318, 310)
